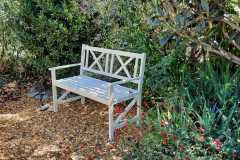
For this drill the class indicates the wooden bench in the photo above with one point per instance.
(126, 67)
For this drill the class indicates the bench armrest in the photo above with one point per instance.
(110, 86)
(65, 66)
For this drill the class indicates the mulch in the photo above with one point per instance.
(9, 91)
(78, 131)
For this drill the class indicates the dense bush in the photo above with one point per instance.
(196, 78)
(200, 121)
(51, 32)
(158, 28)
(9, 46)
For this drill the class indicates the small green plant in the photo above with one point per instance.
(199, 121)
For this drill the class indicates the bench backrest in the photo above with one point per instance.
(112, 63)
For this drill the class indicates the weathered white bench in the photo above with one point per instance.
(127, 67)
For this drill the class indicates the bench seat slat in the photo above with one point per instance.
(95, 89)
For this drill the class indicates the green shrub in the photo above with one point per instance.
(51, 32)
(199, 121)
(213, 99)
(200, 90)
(10, 48)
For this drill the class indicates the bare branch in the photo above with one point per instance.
(232, 41)
(219, 51)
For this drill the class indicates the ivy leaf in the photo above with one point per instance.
(205, 5)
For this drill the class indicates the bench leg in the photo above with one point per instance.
(111, 127)
(82, 100)
(139, 104)
(54, 94)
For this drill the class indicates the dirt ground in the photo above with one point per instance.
(75, 132)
